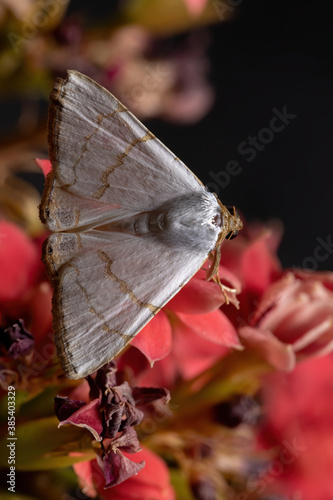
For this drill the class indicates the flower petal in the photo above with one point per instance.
(88, 417)
(214, 326)
(86, 477)
(151, 482)
(64, 407)
(128, 441)
(39, 302)
(198, 296)
(200, 352)
(278, 354)
(148, 395)
(155, 339)
(19, 261)
(16, 340)
(259, 266)
(116, 467)
(44, 165)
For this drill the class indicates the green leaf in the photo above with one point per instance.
(179, 482)
(40, 445)
(15, 496)
(172, 16)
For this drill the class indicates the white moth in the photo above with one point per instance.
(130, 223)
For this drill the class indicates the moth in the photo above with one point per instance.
(130, 224)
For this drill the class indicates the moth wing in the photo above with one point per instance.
(107, 287)
(106, 164)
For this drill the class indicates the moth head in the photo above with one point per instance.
(234, 223)
(231, 222)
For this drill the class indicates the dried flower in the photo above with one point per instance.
(110, 416)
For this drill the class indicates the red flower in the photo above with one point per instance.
(283, 318)
(298, 423)
(19, 263)
(25, 295)
(24, 291)
(196, 307)
(192, 323)
(294, 316)
(151, 482)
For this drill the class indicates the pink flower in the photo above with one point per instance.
(152, 481)
(283, 317)
(298, 424)
(293, 320)
(195, 7)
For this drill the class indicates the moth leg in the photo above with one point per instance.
(224, 288)
(213, 273)
(215, 258)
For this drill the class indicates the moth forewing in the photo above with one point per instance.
(131, 224)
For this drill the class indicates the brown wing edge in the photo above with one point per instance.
(53, 123)
(57, 314)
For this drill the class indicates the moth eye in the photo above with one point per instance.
(231, 235)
